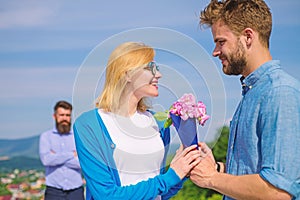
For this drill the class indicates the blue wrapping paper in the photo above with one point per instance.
(186, 129)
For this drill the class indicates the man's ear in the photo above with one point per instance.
(249, 36)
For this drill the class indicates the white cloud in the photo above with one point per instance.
(23, 15)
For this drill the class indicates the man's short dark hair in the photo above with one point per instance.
(62, 104)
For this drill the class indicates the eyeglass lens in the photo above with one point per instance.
(153, 67)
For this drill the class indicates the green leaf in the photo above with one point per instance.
(161, 116)
(168, 123)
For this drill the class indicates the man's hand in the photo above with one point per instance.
(75, 154)
(202, 173)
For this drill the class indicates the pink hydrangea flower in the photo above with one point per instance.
(187, 107)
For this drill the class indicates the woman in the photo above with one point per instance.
(121, 148)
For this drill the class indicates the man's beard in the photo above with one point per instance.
(237, 61)
(63, 127)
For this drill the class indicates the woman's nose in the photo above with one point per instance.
(158, 75)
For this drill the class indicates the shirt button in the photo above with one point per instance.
(112, 146)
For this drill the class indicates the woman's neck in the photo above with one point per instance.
(128, 105)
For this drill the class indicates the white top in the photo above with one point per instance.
(139, 148)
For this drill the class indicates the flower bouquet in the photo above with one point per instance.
(184, 115)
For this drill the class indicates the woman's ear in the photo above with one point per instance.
(128, 77)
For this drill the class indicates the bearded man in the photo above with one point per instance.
(58, 154)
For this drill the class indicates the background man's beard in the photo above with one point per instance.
(63, 127)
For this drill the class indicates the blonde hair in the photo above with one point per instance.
(240, 14)
(127, 57)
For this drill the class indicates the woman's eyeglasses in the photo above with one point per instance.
(153, 67)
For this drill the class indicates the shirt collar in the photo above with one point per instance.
(249, 81)
(56, 131)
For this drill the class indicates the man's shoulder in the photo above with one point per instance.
(280, 78)
(48, 132)
(279, 87)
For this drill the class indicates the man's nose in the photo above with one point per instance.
(216, 52)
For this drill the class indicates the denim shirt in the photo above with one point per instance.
(265, 129)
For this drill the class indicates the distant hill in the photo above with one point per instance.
(27, 147)
(20, 162)
(24, 153)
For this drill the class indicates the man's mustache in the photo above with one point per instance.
(65, 122)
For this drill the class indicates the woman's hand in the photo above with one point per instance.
(185, 160)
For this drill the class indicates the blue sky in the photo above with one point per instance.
(44, 46)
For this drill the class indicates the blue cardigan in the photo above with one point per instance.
(95, 151)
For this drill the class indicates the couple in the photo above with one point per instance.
(122, 149)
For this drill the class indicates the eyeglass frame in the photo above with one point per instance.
(153, 67)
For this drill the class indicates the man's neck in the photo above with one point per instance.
(257, 59)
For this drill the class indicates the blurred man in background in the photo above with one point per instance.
(58, 155)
